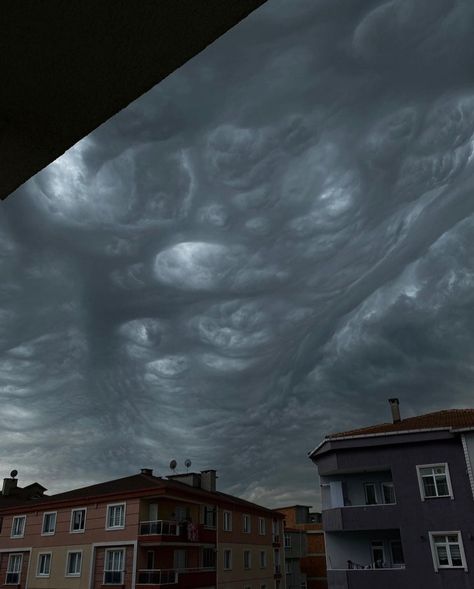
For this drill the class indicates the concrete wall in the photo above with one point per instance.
(352, 487)
(356, 546)
(57, 577)
(95, 529)
(415, 518)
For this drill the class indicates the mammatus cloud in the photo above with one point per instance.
(259, 251)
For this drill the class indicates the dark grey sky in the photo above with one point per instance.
(259, 251)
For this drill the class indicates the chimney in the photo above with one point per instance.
(395, 407)
(148, 471)
(208, 480)
(9, 485)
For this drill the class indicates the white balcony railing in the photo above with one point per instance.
(157, 577)
(159, 527)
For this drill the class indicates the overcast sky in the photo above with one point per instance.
(259, 251)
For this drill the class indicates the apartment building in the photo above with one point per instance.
(141, 532)
(397, 502)
(305, 558)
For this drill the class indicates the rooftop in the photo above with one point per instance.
(134, 485)
(446, 419)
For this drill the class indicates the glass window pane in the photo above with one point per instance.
(429, 487)
(442, 485)
(442, 555)
(455, 555)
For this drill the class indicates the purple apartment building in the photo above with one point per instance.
(398, 502)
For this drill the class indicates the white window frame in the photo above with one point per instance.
(262, 527)
(448, 480)
(15, 518)
(390, 485)
(247, 553)
(377, 545)
(227, 526)
(434, 552)
(263, 561)
(55, 513)
(392, 560)
(122, 571)
(287, 541)
(229, 552)
(38, 564)
(10, 572)
(71, 529)
(246, 523)
(68, 555)
(109, 506)
(376, 493)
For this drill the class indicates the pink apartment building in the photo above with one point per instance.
(141, 532)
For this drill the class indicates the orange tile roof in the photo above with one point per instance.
(447, 419)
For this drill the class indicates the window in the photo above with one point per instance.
(14, 569)
(370, 493)
(388, 493)
(447, 550)
(227, 521)
(263, 559)
(78, 520)
(247, 559)
(44, 564)
(180, 559)
(116, 516)
(73, 564)
(209, 516)
(150, 559)
(434, 481)
(261, 526)
(246, 523)
(49, 523)
(227, 560)
(287, 541)
(113, 571)
(378, 554)
(18, 526)
(208, 558)
(287, 567)
(397, 552)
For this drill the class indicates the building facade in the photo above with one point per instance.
(141, 532)
(397, 502)
(305, 558)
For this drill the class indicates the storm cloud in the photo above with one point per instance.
(259, 251)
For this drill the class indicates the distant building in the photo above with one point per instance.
(142, 532)
(305, 559)
(397, 502)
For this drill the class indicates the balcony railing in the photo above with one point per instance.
(351, 565)
(277, 569)
(157, 577)
(159, 527)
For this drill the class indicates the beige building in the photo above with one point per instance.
(139, 532)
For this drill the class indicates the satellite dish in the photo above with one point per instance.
(187, 463)
(13, 473)
(173, 465)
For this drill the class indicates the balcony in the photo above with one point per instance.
(355, 578)
(361, 517)
(162, 531)
(191, 578)
(157, 577)
(160, 528)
